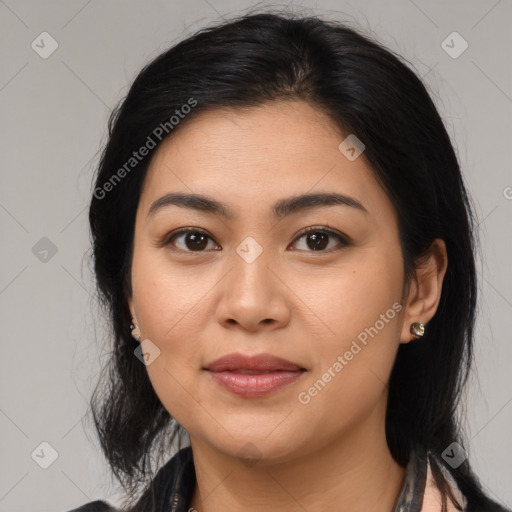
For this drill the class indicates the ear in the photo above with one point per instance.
(136, 331)
(132, 309)
(424, 289)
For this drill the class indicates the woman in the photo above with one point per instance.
(288, 267)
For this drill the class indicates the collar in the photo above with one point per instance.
(180, 489)
(411, 494)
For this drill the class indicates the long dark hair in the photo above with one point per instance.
(366, 90)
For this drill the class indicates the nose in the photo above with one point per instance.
(254, 296)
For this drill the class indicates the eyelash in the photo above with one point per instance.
(345, 241)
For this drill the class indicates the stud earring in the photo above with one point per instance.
(135, 330)
(417, 329)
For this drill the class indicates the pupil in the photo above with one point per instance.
(320, 241)
(198, 240)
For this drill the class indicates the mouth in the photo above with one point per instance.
(263, 363)
(253, 372)
(253, 376)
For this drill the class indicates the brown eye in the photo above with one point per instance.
(318, 239)
(192, 240)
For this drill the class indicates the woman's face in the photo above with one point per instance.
(254, 283)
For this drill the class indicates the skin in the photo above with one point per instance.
(294, 302)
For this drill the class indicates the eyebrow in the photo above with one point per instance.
(282, 208)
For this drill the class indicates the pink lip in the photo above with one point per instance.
(253, 376)
(254, 385)
(260, 362)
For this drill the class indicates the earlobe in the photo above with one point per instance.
(425, 292)
(134, 328)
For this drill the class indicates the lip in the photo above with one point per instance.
(257, 363)
(253, 376)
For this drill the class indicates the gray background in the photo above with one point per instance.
(54, 114)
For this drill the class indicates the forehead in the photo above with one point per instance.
(255, 155)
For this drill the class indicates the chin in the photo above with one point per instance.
(255, 447)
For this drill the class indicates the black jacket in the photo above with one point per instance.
(172, 488)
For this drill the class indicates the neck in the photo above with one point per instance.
(356, 472)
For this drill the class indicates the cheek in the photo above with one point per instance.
(360, 312)
(167, 296)
(168, 305)
(352, 296)
(170, 314)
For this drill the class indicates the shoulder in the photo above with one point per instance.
(432, 501)
(173, 483)
(95, 506)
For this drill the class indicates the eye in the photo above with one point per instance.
(197, 240)
(194, 240)
(317, 239)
